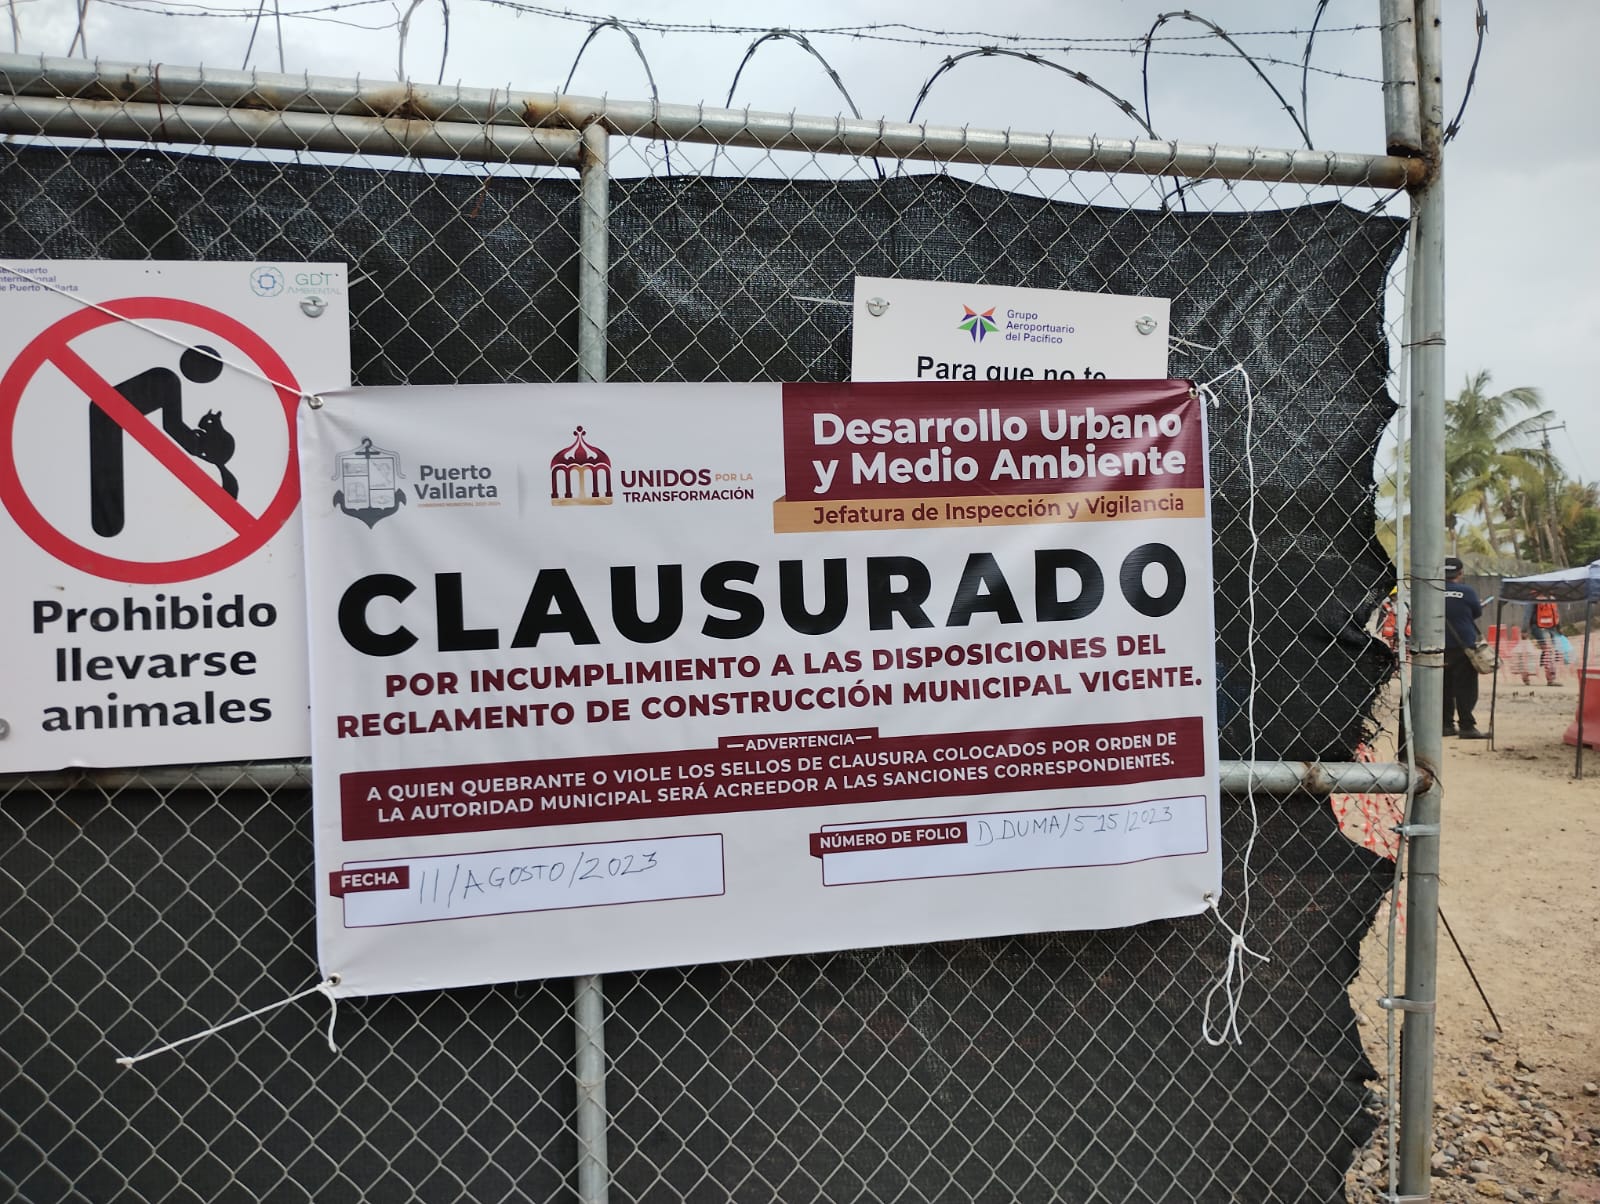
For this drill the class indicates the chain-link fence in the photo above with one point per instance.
(144, 904)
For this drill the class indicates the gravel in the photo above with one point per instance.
(1498, 1134)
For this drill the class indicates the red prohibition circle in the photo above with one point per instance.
(55, 338)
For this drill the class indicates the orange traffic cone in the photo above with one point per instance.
(1590, 705)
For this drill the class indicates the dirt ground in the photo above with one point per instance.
(1517, 1109)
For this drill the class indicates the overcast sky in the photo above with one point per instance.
(1520, 271)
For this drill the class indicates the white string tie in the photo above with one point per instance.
(160, 334)
(1231, 983)
(324, 988)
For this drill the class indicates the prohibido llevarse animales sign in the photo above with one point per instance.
(152, 606)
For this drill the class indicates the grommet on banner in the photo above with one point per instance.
(313, 401)
(324, 988)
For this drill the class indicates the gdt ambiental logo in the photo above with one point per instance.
(266, 281)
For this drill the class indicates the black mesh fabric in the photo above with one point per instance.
(467, 280)
(456, 279)
(1065, 1066)
(715, 279)
(139, 915)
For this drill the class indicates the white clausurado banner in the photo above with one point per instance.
(610, 677)
(152, 608)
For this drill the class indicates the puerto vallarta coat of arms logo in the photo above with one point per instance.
(367, 478)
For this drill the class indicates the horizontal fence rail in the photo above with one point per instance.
(1238, 778)
(336, 133)
(162, 86)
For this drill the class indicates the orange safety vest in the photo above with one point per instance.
(1547, 614)
(1387, 624)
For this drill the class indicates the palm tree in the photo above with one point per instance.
(1489, 459)
(1578, 519)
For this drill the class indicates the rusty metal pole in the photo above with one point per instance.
(1402, 116)
(1426, 332)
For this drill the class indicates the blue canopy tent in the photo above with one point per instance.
(1580, 584)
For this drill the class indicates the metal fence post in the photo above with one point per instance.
(594, 1173)
(1426, 332)
(1402, 120)
(594, 212)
